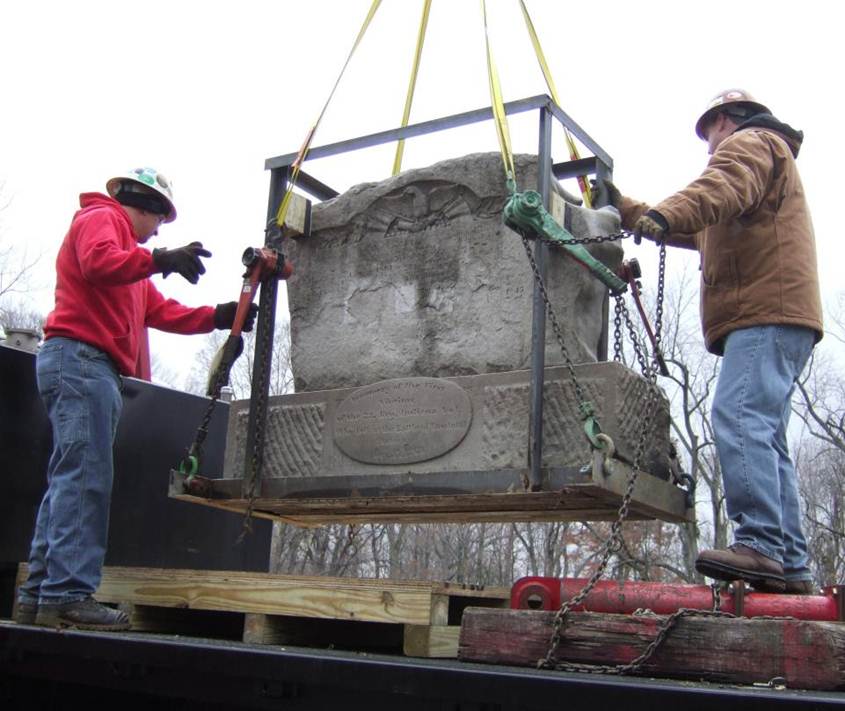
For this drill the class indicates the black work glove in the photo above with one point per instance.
(652, 226)
(224, 315)
(604, 193)
(184, 260)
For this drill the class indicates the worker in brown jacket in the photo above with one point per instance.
(747, 216)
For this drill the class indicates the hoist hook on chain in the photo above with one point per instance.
(609, 449)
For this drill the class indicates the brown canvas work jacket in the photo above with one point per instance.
(747, 216)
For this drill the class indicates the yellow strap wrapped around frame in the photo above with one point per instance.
(498, 106)
(541, 59)
(306, 145)
(409, 99)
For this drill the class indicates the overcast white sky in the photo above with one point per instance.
(206, 91)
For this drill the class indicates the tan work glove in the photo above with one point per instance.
(652, 226)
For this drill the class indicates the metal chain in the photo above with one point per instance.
(567, 359)
(262, 354)
(658, 308)
(717, 596)
(617, 331)
(195, 449)
(648, 370)
(597, 239)
(613, 543)
(661, 284)
(637, 663)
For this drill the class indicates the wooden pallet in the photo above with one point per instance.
(417, 618)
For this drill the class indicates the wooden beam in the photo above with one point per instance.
(552, 506)
(808, 655)
(298, 217)
(263, 593)
(334, 634)
(431, 641)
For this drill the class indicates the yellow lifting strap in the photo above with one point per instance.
(498, 106)
(306, 145)
(409, 99)
(541, 59)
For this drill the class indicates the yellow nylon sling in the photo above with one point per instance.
(541, 59)
(409, 99)
(498, 106)
(306, 145)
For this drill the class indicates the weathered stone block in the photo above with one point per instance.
(468, 423)
(418, 276)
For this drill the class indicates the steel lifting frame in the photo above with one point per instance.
(600, 165)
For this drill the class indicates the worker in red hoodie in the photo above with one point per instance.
(96, 333)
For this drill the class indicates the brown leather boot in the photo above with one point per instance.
(740, 562)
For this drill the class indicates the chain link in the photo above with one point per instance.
(717, 596)
(260, 389)
(614, 541)
(658, 308)
(617, 331)
(195, 449)
(558, 331)
(597, 239)
(636, 664)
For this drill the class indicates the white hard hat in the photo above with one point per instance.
(148, 177)
(738, 97)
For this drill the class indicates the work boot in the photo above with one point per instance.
(740, 562)
(86, 614)
(25, 613)
(800, 587)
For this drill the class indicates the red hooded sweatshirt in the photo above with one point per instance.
(104, 296)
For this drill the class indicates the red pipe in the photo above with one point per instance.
(540, 593)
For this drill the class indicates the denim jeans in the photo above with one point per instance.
(80, 388)
(750, 416)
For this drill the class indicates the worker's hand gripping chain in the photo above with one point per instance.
(261, 264)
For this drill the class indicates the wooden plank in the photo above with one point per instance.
(298, 217)
(808, 655)
(433, 641)
(309, 513)
(323, 633)
(261, 629)
(480, 592)
(652, 497)
(298, 596)
(185, 622)
(20, 579)
(473, 496)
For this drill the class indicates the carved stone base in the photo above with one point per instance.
(462, 424)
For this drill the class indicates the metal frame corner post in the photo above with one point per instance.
(538, 322)
(603, 170)
(265, 331)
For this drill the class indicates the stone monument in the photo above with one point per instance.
(411, 310)
(418, 276)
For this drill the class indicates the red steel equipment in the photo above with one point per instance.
(541, 593)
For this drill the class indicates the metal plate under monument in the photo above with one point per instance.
(402, 421)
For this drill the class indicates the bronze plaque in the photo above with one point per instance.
(402, 421)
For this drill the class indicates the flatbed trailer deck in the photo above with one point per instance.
(43, 668)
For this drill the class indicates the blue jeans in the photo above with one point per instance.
(80, 388)
(750, 416)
